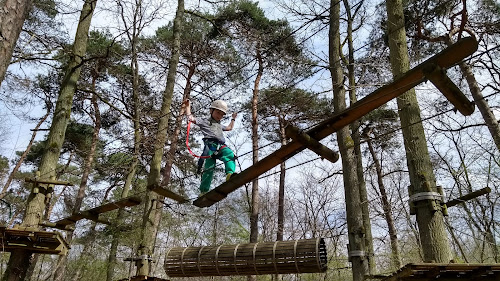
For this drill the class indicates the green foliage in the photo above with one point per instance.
(4, 165)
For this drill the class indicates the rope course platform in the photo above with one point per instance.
(33, 240)
(448, 272)
(93, 214)
(432, 69)
(280, 257)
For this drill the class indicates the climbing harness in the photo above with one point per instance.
(216, 150)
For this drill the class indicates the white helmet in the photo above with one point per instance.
(220, 105)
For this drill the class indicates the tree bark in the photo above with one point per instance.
(254, 216)
(117, 234)
(356, 247)
(357, 144)
(151, 205)
(281, 192)
(87, 169)
(20, 260)
(430, 218)
(12, 16)
(485, 110)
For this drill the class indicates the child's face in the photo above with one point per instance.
(218, 114)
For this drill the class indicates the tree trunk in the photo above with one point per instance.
(430, 218)
(20, 260)
(149, 229)
(386, 206)
(480, 101)
(254, 216)
(87, 169)
(12, 16)
(26, 151)
(167, 171)
(117, 234)
(356, 247)
(281, 192)
(357, 144)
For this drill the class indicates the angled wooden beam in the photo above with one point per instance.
(444, 59)
(468, 197)
(437, 75)
(314, 145)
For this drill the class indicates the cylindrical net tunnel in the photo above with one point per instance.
(280, 257)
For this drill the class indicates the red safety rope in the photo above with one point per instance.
(187, 143)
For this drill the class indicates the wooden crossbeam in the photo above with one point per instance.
(312, 144)
(468, 197)
(54, 182)
(93, 214)
(32, 240)
(444, 59)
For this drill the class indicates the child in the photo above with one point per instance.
(214, 141)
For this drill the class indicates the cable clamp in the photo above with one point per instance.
(426, 196)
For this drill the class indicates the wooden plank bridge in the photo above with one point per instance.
(432, 69)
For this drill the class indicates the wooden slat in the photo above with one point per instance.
(445, 59)
(169, 194)
(125, 202)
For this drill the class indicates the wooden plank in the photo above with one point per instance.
(169, 194)
(55, 182)
(125, 202)
(444, 59)
(93, 214)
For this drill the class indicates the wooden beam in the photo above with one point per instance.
(169, 194)
(312, 144)
(55, 182)
(445, 59)
(468, 197)
(438, 77)
(68, 227)
(93, 214)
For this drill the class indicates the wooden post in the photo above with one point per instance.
(467, 197)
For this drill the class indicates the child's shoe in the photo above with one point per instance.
(229, 176)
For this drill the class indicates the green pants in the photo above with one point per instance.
(226, 156)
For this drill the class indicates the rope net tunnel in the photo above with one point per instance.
(280, 257)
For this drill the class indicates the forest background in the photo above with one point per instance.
(273, 54)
